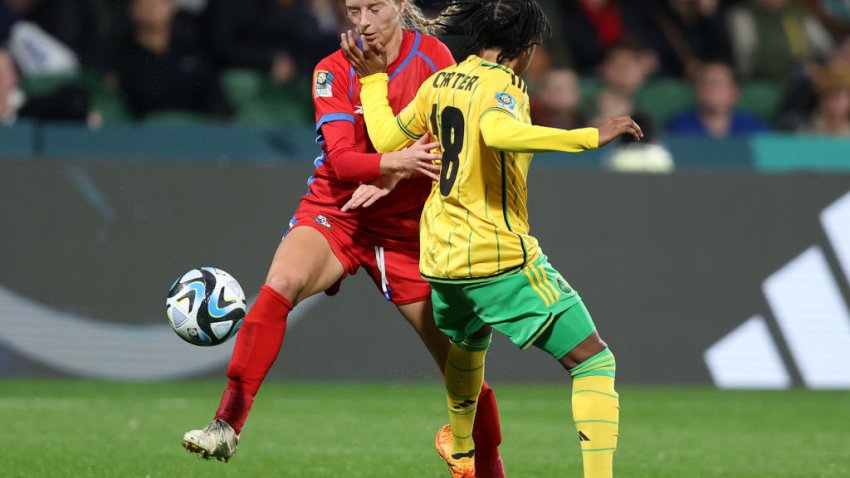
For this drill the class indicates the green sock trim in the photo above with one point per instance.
(460, 414)
(458, 367)
(475, 345)
(602, 355)
(603, 373)
(601, 361)
(594, 361)
(454, 395)
(597, 421)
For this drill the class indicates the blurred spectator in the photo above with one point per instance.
(623, 72)
(162, 66)
(556, 101)
(624, 69)
(645, 156)
(69, 102)
(832, 115)
(801, 96)
(770, 37)
(715, 114)
(74, 23)
(591, 27)
(685, 32)
(35, 51)
(833, 14)
(280, 37)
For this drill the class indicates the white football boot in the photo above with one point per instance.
(218, 440)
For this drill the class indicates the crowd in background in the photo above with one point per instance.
(168, 55)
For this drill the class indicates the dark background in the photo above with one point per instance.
(667, 265)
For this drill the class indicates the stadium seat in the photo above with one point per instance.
(42, 84)
(242, 86)
(589, 87)
(260, 102)
(105, 97)
(663, 98)
(761, 99)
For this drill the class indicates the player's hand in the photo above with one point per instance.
(368, 61)
(613, 127)
(366, 194)
(416, 158)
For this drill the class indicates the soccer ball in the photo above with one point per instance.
(205, 306)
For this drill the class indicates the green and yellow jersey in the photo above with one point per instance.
(475, 222)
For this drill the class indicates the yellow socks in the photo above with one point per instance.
(596, 412)
(464, 375)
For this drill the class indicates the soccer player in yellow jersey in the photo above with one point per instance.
(486, 271)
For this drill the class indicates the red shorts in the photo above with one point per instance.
(395, 271)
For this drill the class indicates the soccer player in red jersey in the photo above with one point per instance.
(324, 244)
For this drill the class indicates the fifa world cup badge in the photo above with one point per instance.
(324, 84)
(505, 101)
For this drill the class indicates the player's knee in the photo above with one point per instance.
(288, 284)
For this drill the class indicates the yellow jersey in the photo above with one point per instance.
(474, 225)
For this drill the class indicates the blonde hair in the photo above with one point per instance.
(413, 19)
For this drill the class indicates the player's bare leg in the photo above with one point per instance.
(420, 315)
(303, 265)
(487, 432)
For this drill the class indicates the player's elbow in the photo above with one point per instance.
(492, 139)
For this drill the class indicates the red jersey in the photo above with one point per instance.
(348, 158)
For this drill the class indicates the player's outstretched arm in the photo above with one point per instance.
(504, 132)
(611, 128)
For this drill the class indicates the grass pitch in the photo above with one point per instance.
(94, 429)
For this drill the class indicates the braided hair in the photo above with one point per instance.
(510, 25)
(413, 19)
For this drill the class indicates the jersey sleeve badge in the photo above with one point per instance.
(324, 84)
(505, 101)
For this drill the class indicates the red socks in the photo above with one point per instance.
(257, 345)
(487, 434)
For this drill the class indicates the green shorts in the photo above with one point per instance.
(522, 305)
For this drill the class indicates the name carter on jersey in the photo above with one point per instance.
(462, 82)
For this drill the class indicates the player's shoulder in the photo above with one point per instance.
(428, 42)
(502, 89)
(335, 62)
(433, 48)
(504, 77)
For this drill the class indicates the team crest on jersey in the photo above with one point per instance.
(506, 101)
(324, 84)
(322, 221)
(564, 285)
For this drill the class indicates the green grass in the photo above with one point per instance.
(93, 429)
